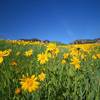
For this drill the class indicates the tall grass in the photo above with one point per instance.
(62, 82)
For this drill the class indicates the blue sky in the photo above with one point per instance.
(59, 20)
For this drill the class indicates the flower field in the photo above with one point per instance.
(38, 71)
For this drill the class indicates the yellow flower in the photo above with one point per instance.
(98, 56)
(76, 62)
(28, 53)
(1, 54)
(7, 52)
(63, 61)
(94, 57)
(1, 59)
(77, 66)
(14, 63)
(4, 53)
(86, 47)
(42, 76)
(42, 58)
(65, 55)
(55, 51)
(74, 52)
(29, 83)
(17, 90)
(48, 54)
(52, 48)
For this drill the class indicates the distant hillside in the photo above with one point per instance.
(86, 41)
(81, 41)
(43, 41)
(36, 40)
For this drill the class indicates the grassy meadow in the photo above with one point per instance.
(38, 71)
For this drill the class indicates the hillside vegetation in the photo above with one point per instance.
(46, 71)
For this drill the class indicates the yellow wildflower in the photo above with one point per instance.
(74, 52)
(55, 51)
(29, 83)
(1, 59)
(4, 53)
(76, 62)
(7, 52)
(48, 54)
(17, 90)
(14, 63)
(86, 47)
(77, 66)
(63, 61)
(52, 48)
(28, 53)
(94, 57)
(98, 56)
(42, 58)
(65, 55)
(42, 76)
